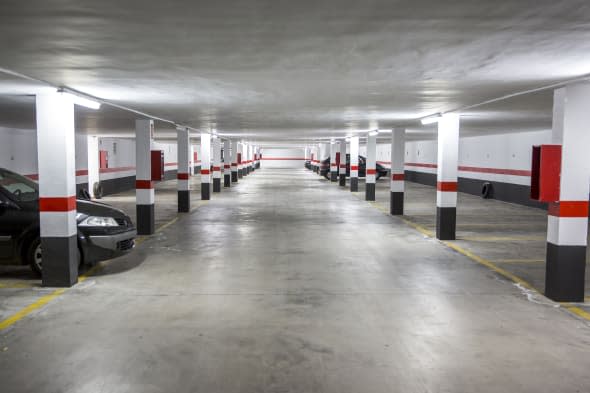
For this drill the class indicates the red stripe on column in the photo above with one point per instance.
(57, 204)
(354, 168)
(568, 209)
(216, 169)
(205, 171)
(226, 166)
(144, 184)
(371, 171)
(182, 176)
(234, 164)
(343, 166)
(448, 186)
(398, 176)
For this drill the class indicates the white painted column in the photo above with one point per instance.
(216, 146)
(227, 160)
(205, 166)
(241, 160)
(397, 185)
(183, 172)
(57, 190)
(447, 168)
(333, 164)
(93, 163)
(354, 163)
(144, 186)
(567, 229)
(342, 164)
(371, 166)
(234, 161)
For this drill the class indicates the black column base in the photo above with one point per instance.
(205, 191)
(369, 191)
(217, 185)
(184, 201)
(446, 223)
(234, 177)
(565, 273)
(354, 184)
(396, 203)
(333, 176)
(226, 180)
(342, 181)
(240, 174)
(146, 224)
(60, 261)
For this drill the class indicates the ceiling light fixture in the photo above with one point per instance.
(373, 133)
(83, 101)
(431, 119)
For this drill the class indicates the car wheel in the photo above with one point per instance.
(35, 256)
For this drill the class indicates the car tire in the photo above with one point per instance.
(34, 256)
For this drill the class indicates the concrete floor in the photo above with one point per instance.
(287, 283)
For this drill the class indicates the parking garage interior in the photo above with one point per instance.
(329, 196)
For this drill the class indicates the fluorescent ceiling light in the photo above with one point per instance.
(431, 119)
(373, 133)
(78, 100)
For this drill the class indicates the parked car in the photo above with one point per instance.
(103, 231)
(381, 170)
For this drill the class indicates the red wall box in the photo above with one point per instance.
(103, 159)
(157, 165)
(545, 173)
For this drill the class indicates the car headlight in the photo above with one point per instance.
(93, 221)
(80, 216)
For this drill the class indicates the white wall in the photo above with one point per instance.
(282, 158)
(504, 158)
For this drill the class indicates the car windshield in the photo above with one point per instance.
(19, 187)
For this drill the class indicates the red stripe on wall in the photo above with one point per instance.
(171, 164)
(447, 186)
(182, 176)
(57, 204)
(119, 169)
(397, 176)
(371, 171)
(513, 172)
(420, 165)
(205, 171)
(144, 184)
(568, 209)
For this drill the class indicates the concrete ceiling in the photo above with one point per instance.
(296, 70)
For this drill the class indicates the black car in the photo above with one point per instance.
(103, 231)
(381, 170)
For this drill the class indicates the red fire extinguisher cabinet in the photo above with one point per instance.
(157, 165)
(545, 173)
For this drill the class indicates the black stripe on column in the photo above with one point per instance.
(396, 203)
(333, 176)
(234, 177)
(184, 201)
(205, 191)
(60, 261)
(240, 174)
(565, 272)
(342, 182)
(369, 191)
(354, 184)
(227, 180)
(145, 219)
(217, 185)
(446, 222)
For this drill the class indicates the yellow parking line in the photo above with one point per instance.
(43, 300)
(18, 285)
(485, 262)
(502, 238)
(519, 261)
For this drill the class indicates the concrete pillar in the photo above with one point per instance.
(317, 156)
(234, 161)
(446, 185)
(144, 186)
(249, 158)
(216, 147)
(567, 227)
(183, 172)
(57, 190)
(93, 164)
(354, 163)
(191, 159)
(205, 166)
(333, 165)
(226, 163)
(398, 155)
(371, 166)
(342, 169)
(240, 160)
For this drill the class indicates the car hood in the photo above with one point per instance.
(91, 208)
